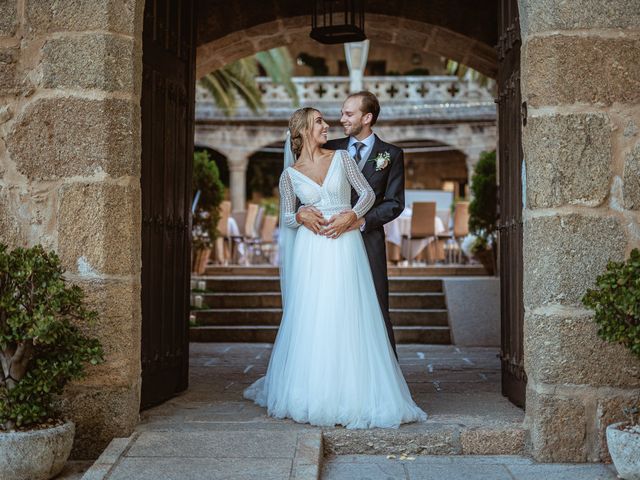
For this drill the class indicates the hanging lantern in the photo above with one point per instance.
(338, 21)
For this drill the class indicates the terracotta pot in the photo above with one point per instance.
(485, 257)
(200, 260)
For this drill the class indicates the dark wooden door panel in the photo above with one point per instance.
(510, 226)
(167, 106)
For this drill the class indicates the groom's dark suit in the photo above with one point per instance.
(388, 185)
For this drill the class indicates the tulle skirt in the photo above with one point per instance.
(332, 362)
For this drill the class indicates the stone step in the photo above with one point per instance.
(422, 300)
(492, 437)
(272, 316)
(238, 284)
(427, 271)
(267, 334)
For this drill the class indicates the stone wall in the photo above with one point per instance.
(70, 74)
(581, 82)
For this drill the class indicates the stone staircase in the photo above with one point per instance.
(243, 304)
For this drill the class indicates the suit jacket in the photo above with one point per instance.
(387, 184)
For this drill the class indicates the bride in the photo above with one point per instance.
(332, 362)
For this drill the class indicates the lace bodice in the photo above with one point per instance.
(333, 196)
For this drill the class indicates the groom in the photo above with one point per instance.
(382, 164)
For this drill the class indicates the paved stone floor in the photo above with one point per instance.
(211, 432)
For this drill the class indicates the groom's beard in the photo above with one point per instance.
(355, 130)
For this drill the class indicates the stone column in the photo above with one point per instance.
(70, 180)
(356, 55)
(581, 82)
(238, 181)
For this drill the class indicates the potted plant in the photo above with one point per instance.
(482, 249)
(483, 210)
(209, 192)
(41, 349)
(616, 305)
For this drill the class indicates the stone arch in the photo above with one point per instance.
(264, 168)
(470, 138)
(238, 145)
(380, 28)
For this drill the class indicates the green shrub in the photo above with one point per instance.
(206, 179)
(271, 206)
(616, 302)
(483, 209)
(41, 346)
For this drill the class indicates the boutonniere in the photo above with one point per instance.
(383, 159)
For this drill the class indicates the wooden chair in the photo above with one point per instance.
(246, 221)
(423, 227)
(223, 246)
(250, 221)
(445, 216)
(264, 247)
(460, 225)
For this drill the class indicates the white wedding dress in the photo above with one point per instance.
(332, 362)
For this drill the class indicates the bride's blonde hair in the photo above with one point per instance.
(300, 125)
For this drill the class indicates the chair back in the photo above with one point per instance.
(225, 207)
(250, 220)
(223, 222)
(240, 216)
(445, 216)
(461, 219)
(257, 225)
(423, 219)
(268, 228)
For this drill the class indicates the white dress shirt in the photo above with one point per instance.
(365, 151)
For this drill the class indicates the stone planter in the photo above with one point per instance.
(624, 448)
(35, 454)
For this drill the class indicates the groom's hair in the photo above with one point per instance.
(369, 104)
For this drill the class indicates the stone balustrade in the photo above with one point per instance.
(401, 97)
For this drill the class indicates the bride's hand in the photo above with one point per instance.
(340, 223)
(311, 218)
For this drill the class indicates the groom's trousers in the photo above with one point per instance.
(374, 242)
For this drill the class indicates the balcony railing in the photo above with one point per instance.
(442, 97)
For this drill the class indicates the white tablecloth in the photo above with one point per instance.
(233, 229)
(396, 229)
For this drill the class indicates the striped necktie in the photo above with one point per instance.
(358, 158)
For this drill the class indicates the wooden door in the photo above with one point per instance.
(167, 108)
(510, 226)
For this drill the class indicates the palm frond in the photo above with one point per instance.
(218, 86)
(237, 80)
(464, 72)
(278, 65)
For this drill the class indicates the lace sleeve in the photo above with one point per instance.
(287, 201)
(366, 197)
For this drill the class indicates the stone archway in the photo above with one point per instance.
(70, 179)
(237, 146)
(382, 29)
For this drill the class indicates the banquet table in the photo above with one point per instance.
(400, 228)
